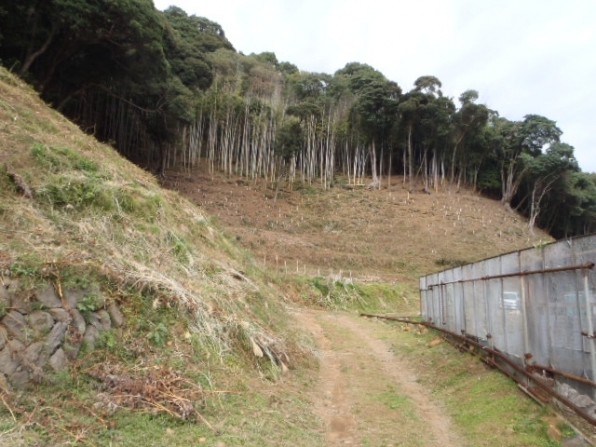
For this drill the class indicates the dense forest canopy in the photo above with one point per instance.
(168, 87)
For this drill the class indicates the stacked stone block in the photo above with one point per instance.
(42, 332)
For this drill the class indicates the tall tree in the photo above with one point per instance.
(543, 173)
(520, 142)
(468, 122)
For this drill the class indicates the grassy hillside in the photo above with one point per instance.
(75, 214)
(92, 212)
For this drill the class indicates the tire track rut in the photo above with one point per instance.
(366, 395)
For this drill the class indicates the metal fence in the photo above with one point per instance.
(538, 306)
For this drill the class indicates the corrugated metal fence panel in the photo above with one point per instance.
(435, 301)
(585, 252)
(469, 296)
(534, 315)
(423, 298)
(480, 301)
(511, 305)
(494, 303)
(564, 309)
(458, 297)
(534, 305)
(450, 307)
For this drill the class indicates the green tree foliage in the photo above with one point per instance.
(429, 85)
(289, 140)
(544, 172)
(119, 67)
(468, 123)
(169, 87)
(535, 132)
(267, 57)
(192, 39)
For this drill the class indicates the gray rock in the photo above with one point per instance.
(15, 325)
(582, 401)
(16, 346)
(104, 318)
(115, 315)
(563, 389)
(33, 359)
(19, 379)
(35, 354)
(8, 365)
(78, 322)
(72, 343)
(59, 361)
(91, 295)
(49, 298)
(8, 288)
(22, 303)
(4, 298)
(10, 357)
(73, 296)
(55, 337)
(74, 338)
(41, 322)
(94, 320)
(90, 337)
(71, 350)
(60, 314)
(3, 337)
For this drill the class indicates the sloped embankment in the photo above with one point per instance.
(86, 236)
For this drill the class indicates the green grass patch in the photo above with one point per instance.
(77, 193)
(393, 400)
(60, 159)
(449, 263)
(346, 294)
(486, 406)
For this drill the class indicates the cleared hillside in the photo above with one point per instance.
(386, 234)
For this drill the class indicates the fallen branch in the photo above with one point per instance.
(21, 185)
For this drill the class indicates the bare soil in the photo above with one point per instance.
(390, 234)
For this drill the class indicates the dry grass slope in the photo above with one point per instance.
(201, 317)
(93, 210)
(388, 234)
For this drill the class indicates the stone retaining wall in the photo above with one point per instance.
(42, 332)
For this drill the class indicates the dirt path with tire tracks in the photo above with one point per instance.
(367, 396)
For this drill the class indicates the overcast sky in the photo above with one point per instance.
(522, 56)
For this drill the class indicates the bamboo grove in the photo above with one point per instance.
(166, 88)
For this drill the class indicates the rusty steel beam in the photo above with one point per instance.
(586, 266)
(562, 374)
(501, 356)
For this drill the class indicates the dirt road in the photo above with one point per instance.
(368, 396)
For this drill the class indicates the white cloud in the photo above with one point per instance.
(523, 57)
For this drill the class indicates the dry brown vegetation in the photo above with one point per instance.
(387, 234)
(90, 210)
(185, 289)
